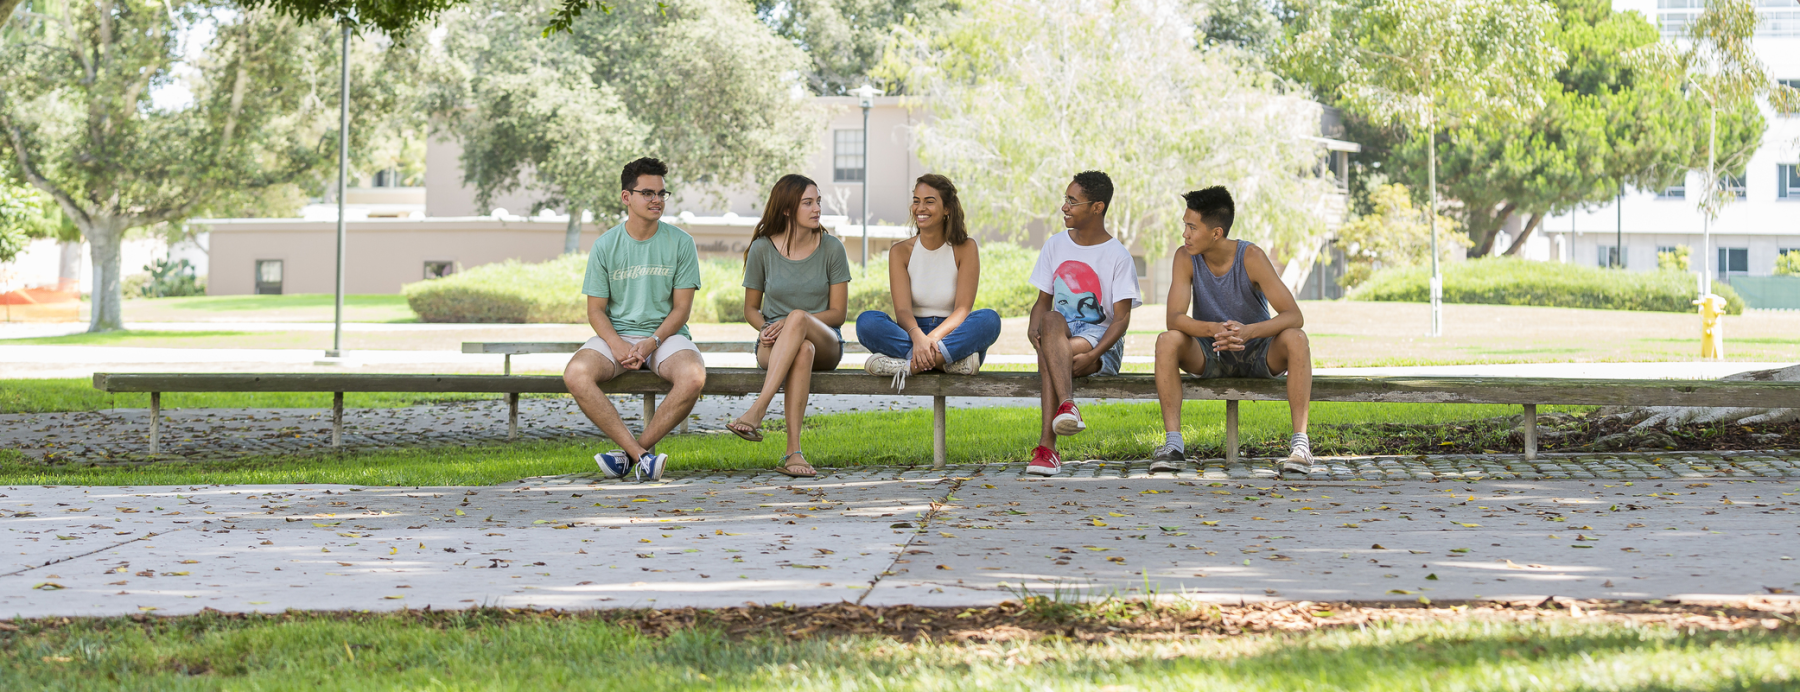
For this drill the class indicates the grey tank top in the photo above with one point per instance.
(1228, 297)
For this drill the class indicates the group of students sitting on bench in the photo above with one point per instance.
(642, 276)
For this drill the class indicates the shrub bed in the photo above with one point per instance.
(550, 291)
(1507, 281)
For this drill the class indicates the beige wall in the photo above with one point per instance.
(382, 255)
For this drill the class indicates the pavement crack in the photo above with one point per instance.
(18, 572)
(923, 524)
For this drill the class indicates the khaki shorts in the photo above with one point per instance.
(670, 346)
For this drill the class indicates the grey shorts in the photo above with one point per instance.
(1253, 361)
(670, 346)
(1091, 333)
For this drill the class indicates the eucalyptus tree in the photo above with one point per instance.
(703, 85)
(1426, 64)
(1026, 93)
(845, 39)
(78, 120)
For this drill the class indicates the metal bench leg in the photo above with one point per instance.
(937, 432)
(1231, 431)
(155, 423)
(337, 420)
(512, 416)
(649, 412)
(1530, 432)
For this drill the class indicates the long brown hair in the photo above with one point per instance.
(780, 213)
(956, 231)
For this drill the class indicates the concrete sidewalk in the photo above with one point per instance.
(972, 536)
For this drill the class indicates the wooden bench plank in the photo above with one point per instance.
(737, 381)
(515, 348)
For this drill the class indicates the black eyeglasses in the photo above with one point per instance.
(659, 194)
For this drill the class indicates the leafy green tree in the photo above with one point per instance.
(845, 39)
(703, 85)
(1026, 93)
(1616, 115)
(1394, 233)
(25, 214)
(77, 121)
(1423, 65)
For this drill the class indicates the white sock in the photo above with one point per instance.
(1301, 445)
(1174, 438)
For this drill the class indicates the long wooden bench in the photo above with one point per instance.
(1526, 392)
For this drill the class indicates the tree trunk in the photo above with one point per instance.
(572, 235)
(1518, 244)
(103, 243)
(6, 10)
(1490, 229)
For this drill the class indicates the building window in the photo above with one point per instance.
(1609, 257)
(1143, 266)
(1733, 183)
(847, 156)
(386, 178)
(1788, 175)
(1673, 192)
(439, 270)
(268, 277)
(1734, 261)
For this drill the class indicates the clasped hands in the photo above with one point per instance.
(636, 355)
(1230, 338)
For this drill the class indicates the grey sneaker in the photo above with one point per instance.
(889, 366)
(1167, 458)
(966, 366)
(1297, 464)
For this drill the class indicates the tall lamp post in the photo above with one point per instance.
(337, 326)
(867, 94)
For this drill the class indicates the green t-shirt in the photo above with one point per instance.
(639, 277)
(790, 285)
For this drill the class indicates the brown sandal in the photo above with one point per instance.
(787, 468)
(744, 430)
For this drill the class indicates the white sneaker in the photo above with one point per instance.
(966, 366)
(889, 366)
(1297, 464)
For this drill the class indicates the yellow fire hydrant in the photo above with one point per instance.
(1712, 331)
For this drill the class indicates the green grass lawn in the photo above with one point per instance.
(1115, 431)
(77, 394)
(589, 651)
(305, 307)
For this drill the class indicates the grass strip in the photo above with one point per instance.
(985, 435)
(78, 394)
(1008, 647)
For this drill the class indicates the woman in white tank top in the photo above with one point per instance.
(933, 276)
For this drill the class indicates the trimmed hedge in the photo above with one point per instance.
(550, 292)
(509, 291)
(1510, 281)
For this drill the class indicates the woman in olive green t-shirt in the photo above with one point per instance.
(796, 292)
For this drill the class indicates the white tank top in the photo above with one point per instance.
(933, 274)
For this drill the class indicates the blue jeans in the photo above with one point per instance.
(881, 334)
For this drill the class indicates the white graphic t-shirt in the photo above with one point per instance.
(1085, 281)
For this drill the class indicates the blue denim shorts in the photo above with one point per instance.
(1091, 333)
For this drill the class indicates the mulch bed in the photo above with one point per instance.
(1585, 433)
(1041, 618)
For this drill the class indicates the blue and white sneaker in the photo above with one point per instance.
(650, 466)
(615, 464)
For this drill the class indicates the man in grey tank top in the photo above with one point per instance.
(1231, 285)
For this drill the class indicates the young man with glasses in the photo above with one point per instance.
(641, 278)
(1087, 286)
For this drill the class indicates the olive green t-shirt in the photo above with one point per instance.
(639, 277)
(790, 285)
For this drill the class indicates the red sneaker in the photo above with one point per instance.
(1067, 420)
(1044, 462)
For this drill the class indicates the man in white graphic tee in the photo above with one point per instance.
(1087, 286)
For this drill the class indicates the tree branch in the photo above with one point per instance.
(29, 168)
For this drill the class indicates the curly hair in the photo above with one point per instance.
(956, 230)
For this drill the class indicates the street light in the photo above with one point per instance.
(1707, 188)
(337, 326)
(867, 94)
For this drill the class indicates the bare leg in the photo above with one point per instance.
(686, 376)
(779, 358)
(1291, 352)
(586, 370)
(799, 384)
(1056, 351)
(1175, 352)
